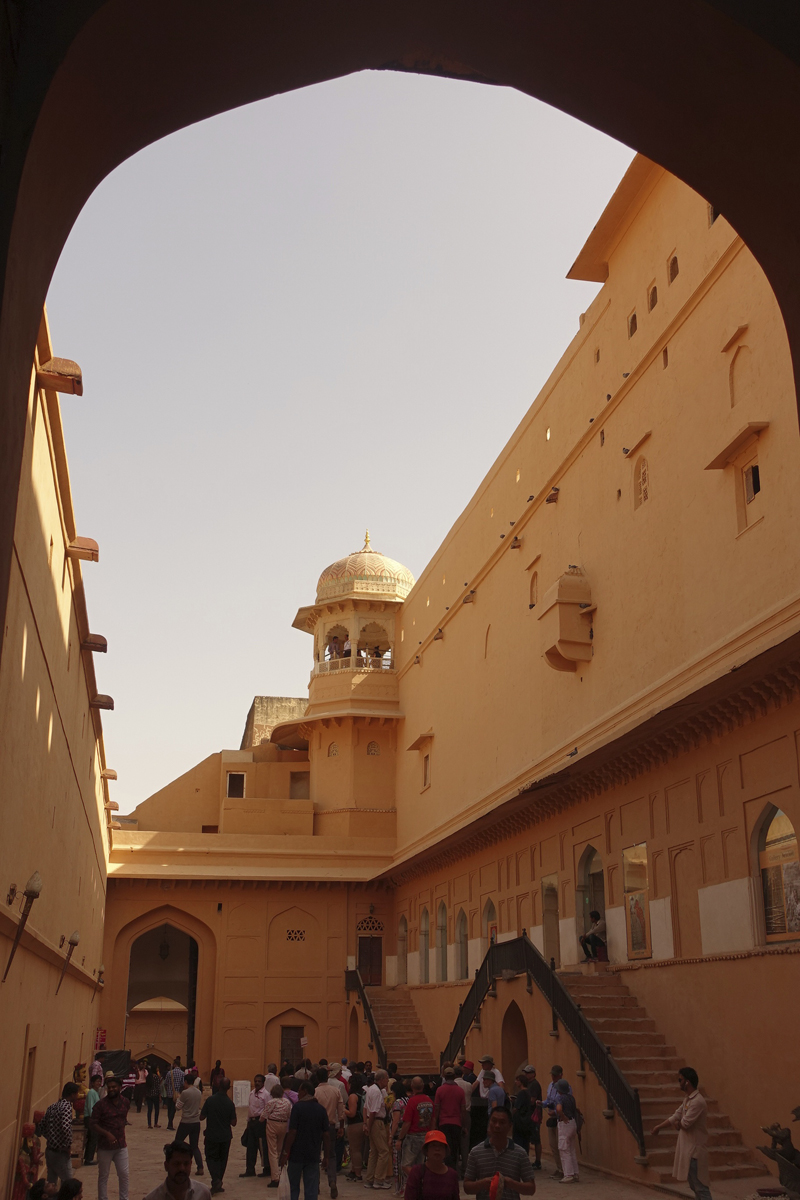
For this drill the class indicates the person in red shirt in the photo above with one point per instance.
(449, 1106)
(417, 1121)
(434, 1180)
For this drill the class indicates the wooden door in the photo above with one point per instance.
(291, 1049)
(370, 960)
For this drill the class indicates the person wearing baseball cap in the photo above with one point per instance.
(433, 1180)
(480, 1099)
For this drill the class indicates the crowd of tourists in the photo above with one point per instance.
(422, 1138)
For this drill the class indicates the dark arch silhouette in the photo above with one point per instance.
(87, 83)
(514, 1043)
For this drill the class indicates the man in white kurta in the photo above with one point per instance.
(691, 1152)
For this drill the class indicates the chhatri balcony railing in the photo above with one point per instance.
(359, 663)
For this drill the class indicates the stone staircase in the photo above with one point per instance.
(650, 1065)
(401, 1031)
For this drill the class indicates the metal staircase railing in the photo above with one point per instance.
(517, 957)
(354, 983)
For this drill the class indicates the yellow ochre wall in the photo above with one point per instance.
(52, 819)
(252, 977)
(681, 595)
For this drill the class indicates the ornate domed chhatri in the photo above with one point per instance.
(365, 572)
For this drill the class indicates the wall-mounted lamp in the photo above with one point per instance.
(32, 889)
(99, 981)
(72, 942)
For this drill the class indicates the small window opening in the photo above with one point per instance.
(209, 829)
(236, 785)
(713, 213)
(548, 433)
(426, 771)
(428, 602)
(50, 555)
(602, 437)
(633, 325)
(517, 474)
(673, 268)
(534, 591)
(333, 750)
(373, 749)
(652, 298)
(597, 355)
(665, 358)
(403, 632)
(752, 482)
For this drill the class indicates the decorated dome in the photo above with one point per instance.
(366, 573)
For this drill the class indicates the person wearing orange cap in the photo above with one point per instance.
(433, 1179)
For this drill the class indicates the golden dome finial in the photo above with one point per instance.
(366, 541)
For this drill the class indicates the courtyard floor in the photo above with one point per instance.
(145, 1150)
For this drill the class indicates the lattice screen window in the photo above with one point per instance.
(333, 750)
(370, 925)
(295, 935)
(373, 748)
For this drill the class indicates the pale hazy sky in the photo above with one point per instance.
(325, 311)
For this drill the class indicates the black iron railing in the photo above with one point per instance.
(519, 956)
(354, 983)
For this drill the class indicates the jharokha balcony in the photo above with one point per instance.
(359, 663)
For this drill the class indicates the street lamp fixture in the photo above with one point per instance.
(72, 942)
(31, 892)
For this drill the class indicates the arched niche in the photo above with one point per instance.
(424, 946)
(441, 943)
(294, 943)
(402, 950)
(489, 926)
(462, 947)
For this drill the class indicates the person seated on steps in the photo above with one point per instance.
(594, 942)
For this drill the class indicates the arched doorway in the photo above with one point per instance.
(162, 993)
(779, 871)
(551, 936)
(462, 947)
(424, 946)
(513, 1043)
(591, 893)
(352, 1036)
(402, 951)
(441, 944)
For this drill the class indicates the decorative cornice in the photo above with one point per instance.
(542, 799)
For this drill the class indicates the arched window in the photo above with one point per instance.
(780, 878)
(424, 946)
(534, 590)
(486, 642)
(462, 958)
(652, 297)
(641, 482)
(633, 324)
(441, 944)
(333, 750)
(374, 749)
(673, 268)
